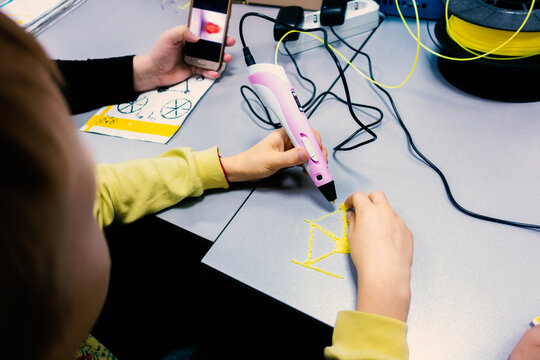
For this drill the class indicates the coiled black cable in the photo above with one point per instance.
(313, 105)
(250, 60)
(417, 152)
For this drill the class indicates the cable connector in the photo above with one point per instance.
(289, 15)
(248, 57)
(333, 12)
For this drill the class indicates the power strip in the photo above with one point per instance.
(360, 16)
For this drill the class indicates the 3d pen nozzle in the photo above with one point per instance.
(329, 191)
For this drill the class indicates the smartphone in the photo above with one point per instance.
(208, 19)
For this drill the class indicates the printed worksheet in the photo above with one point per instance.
(154, 116)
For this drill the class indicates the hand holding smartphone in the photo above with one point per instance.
(208, 19)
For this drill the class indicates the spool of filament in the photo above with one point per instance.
(512, 72)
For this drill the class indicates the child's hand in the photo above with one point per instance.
(270, 155)
(165, 65)
(381, 248)
(528, 346)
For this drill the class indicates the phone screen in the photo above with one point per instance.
(209, 22)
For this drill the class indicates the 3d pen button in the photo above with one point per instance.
(310, 149)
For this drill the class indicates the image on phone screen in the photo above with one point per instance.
(209, 22)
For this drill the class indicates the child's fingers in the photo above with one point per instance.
(351, 220)
(230, 41)
(227, 58)
(323, 149)
(177, 34)
(358, 201)
(378, 197)
(206, 73)
(292, 157)
(282, 134)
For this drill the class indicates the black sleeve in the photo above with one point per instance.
(93, 83)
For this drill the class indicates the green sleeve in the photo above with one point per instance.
(359, 335)
(133, 189)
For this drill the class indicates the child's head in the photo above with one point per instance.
(54, 262)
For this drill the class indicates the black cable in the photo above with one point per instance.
(341, 146)
(428, 162)
(381, 19)
(302, 76)
(321, 97)
(249, 61)
(376, 122)
(410, 141)
(268, 119)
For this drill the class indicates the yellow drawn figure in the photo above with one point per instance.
(341, 245)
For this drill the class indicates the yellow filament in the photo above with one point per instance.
(417, 38)
(493, 50)
(341, 245)
(465, 34)
(484, 39)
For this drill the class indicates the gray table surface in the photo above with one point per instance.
(101, 28)
(474, 284)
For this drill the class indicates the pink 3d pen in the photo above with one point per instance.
(276, 92)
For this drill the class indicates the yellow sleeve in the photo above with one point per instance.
(130, 190)
(359, 335)
(93, 349)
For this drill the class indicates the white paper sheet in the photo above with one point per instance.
(154, 116)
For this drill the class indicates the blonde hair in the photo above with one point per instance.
(35, 135)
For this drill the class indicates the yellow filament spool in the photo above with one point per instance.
(483, 39)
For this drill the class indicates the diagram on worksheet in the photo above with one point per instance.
(154, 116)
(335, 244)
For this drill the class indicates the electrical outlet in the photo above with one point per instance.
(360, 16)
